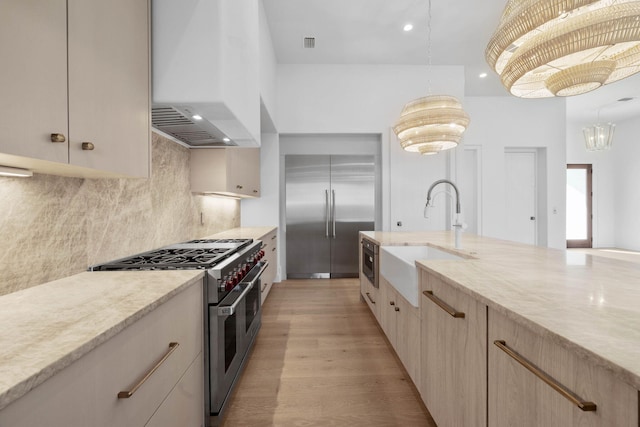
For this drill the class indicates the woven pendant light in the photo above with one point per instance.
(433, 123)
(545, 48)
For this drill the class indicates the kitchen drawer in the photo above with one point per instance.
(519, 397)
(183, 406)
(85, 393)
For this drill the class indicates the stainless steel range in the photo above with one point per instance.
(232, 311)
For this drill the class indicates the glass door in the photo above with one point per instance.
(579, 216)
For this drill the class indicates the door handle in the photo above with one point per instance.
(326, 213)
(333, 211)
(533, 218)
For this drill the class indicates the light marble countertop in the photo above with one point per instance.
(243, 233)
(586, 303)
(45, 328)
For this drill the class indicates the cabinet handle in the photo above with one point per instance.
(88, 146)
(239, 187)
(273, 237)
(443, 305)
(397, 309)
(566, 393)
(58, 137)
(255, 191)
(273, 249)
(369, 296)
(128, 394)
(392, 303)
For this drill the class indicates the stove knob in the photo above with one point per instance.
(231, 283)
(261, 254)
(240, 274)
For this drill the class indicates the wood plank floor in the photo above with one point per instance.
(321, 360)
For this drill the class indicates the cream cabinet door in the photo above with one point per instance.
(519, 397)
(109, 85)
(33, 79)
(270, 247)
(454, 354)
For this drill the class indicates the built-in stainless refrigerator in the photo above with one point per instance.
(329, 199)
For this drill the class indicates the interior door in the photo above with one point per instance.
(308, 195)
(352, 206)
(520, 182)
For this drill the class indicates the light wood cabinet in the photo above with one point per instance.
(86, 392)
(226, 171)
(369, 293)
(79, 69)
(400, 322)
(519, 397)
(270, 248)
(454, 354)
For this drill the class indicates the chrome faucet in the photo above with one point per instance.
(457, 226)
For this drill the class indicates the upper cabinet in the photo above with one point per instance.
(226, 171)
(75, 87)
(206, 62)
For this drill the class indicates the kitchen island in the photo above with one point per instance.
(584, 308)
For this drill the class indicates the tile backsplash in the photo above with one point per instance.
(52, 227)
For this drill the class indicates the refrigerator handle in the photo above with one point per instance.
(333, 211)
(326, 213)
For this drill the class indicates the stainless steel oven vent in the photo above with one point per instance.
(195, 133)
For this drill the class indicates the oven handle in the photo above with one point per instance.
(228, 310)
(256, 272)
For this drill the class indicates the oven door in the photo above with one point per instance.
(370, 261)
(227, 344)
(253, 306)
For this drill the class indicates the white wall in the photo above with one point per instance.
(267, 66)
(365, 99)
(501, 122)
(626, 154)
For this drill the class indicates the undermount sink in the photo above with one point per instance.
(397, 265)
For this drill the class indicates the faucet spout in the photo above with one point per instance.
(445, 181)
(457, 226)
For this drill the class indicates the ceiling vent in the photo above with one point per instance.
(309, 42)
(180, 125)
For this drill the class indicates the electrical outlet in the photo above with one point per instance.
(399, 223)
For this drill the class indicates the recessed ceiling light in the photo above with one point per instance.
(226, 139)
(196, 117)
(408, 27)
(482, 75)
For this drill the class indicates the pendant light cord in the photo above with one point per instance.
(429, 49)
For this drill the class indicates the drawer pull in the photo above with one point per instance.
(370, 299)
(128, 394)
(443, 305)
(585, 406)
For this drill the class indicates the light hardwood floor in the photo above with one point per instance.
(320, 360)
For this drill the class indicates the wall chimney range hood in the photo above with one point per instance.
(205, 72)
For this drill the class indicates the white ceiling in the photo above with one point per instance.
(370, 32)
